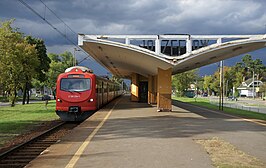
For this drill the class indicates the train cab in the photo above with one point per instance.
(79, 92)
(75, 94)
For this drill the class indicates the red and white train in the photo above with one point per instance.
(79, 92)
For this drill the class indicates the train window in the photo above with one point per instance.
(75, 84)
(110, 87)
(105, 86)
(113, 88)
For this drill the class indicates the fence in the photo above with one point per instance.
(236, 105)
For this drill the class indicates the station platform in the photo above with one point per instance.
(129, 134)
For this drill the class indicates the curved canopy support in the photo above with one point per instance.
(215, 53)
(124, 59)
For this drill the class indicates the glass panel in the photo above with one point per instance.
(75, 84)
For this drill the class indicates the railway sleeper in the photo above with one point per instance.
(38, 145)
(26, 153)
(11, 161)
(48, 140)
(35, 147)
(21, 157)
(45, 142)
(30, 150)
(54, 140)
(11, 165)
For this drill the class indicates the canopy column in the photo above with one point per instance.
(152, 89)
(164, 90)
(134, 87)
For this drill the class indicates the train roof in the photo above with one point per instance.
(83, 69)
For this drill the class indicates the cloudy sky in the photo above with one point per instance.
(137, 17)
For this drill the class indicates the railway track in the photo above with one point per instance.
(21, 155)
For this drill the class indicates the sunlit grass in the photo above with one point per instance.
(206, 103)
(22, 118)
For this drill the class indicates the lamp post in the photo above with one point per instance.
(222, 83)
(253, 87)
(221, 96)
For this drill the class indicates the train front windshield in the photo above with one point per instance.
(75, 84)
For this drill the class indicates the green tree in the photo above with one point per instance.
(42, 57)
(249, 65)
(263, 89)
(207, 84)
(199, 84)
(41, 69)
(235, 75)
(228, 80)
(247, 61)
(259, 68)
(181, 81)
(18, 59)
(116, 79)
(215, 85)
(59, 63)
(238, 74)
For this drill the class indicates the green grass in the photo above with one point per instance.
(206, 103)
(23, 118)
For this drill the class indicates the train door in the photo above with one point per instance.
(143, 92)
(105, 100)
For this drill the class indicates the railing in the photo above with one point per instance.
(168, 43)
(236, 105)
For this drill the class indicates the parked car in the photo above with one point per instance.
(205, 95)
(232, 98)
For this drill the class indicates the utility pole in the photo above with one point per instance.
(253, 85)
(253, 80)
(74, 56)
(221, 96)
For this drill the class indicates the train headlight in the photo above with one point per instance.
(91, 100)
(59, 100)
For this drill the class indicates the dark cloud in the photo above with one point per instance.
(136, 17)
(141, 16)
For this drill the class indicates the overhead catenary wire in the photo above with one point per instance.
(56, 29)
(57, 17)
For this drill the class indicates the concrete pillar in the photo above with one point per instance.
(150, 89)
(164, 90)
(189, 45)
(158, 46)
(127, 41)
(134, 87)
(219, 41)
(154, 99)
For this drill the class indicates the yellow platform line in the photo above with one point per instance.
(81, 149)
